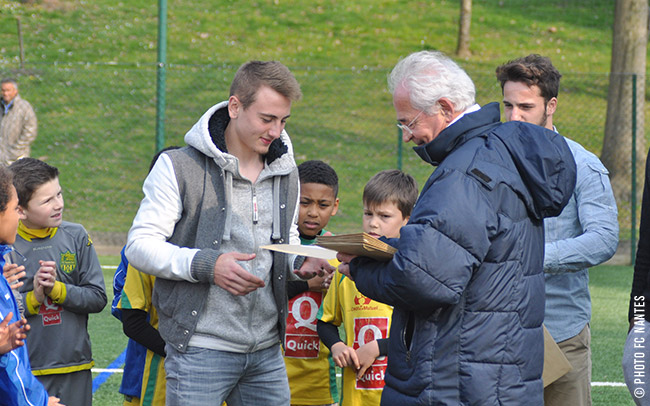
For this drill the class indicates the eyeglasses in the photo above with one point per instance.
(407, 128)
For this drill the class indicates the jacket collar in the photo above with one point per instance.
(6, 107)
(469, 126)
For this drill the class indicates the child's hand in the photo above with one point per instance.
(314, 267)
(12, 274)
(12, 335)
(320, 283)
(52, 401)
(39, 295)
(344, 356)
(367, 354)
(46, 275)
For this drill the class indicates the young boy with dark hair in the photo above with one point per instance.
(388, 199)
(18, 386)
(64, 283)
(310, 369)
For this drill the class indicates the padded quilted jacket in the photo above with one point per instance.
(467, 283)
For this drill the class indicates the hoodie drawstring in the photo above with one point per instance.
(275, 235)
(228, 187)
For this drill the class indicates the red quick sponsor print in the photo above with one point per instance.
(50, 312)
(301, 339)
(367, 329)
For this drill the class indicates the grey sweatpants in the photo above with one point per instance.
(74, 389)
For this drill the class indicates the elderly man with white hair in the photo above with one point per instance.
(467, 281)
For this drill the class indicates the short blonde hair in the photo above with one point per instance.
(255, 74)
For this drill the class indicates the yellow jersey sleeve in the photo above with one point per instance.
(136, 294)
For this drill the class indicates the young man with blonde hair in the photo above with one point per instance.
(207, 210)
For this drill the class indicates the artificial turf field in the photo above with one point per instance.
(610, 289)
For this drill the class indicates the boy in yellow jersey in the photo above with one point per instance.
(388, 199)
(140, 321)
(144, 380)
(310, 369)
(64, 284)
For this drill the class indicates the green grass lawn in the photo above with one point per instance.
(610, 293)
(90, 73)
(610, 289)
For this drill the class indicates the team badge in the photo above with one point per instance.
(68, 261)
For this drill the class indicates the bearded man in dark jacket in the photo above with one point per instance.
(467, 282)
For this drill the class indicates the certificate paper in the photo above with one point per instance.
(304, 250)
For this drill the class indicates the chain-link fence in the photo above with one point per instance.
(97, 124)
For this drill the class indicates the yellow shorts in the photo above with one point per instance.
(131, 401)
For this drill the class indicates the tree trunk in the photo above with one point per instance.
(628, 65)
(462, 50)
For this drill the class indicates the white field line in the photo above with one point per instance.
(608, 384)
(110, 370)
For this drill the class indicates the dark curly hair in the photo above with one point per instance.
(6, 181)
(533, 70)
(316, 171)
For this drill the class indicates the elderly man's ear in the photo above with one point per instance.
(447, 109)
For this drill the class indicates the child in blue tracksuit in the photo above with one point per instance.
(18, 386)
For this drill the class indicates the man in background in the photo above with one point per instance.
(17, 123)
(585, 234)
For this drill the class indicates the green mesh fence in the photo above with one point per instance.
(97, 124)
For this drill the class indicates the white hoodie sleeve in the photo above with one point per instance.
(147, 248)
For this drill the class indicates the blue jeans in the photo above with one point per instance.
(208, 377)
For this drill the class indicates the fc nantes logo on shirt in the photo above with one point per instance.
(68, 261)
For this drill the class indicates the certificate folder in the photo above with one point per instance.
(555, 362)
(361, 244)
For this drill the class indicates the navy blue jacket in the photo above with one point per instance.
(467, 282)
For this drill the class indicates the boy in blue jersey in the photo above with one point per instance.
(64, 283)
(17, 384)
